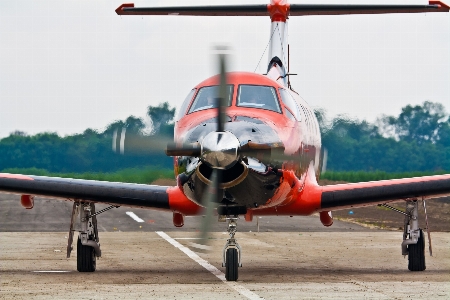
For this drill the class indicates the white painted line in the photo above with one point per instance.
(51, 271)
(134, 217)
(239, 288)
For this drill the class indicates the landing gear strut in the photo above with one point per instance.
(413, 240)
(413, 243)
(88, 246)
(232, 251)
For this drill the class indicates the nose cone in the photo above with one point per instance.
(220, 149)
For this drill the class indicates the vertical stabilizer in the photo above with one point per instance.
(278, 51)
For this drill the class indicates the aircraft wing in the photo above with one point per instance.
(342, 196)
(113, 193)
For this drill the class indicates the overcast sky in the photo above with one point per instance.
(69, 65)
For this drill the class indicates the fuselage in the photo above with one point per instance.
(277, 116)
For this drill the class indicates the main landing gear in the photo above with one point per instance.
(413, 240)
(413, 243)
(88, 246)
(232, 251)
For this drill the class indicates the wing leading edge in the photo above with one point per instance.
(114, 193)
(341, 196)
(312, 198)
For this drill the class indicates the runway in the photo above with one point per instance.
(292, 258)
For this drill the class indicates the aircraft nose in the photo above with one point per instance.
(220, 149)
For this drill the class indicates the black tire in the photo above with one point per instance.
(231, 272)
(416, 254)
(86, 259)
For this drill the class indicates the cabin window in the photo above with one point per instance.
(257, 96)
(289, 115)
(185, 104)
(290, 103)
(207, 98)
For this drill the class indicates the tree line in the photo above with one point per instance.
(416, 140)
(90, 151)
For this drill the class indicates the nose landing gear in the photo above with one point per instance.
(232, 251)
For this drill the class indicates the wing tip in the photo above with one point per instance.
(442, 6)
(120, 10)
(15, 176)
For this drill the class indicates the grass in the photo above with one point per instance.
(144, 175)
(362, 176)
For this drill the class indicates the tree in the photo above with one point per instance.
(161, 116)
(444, 134)
(112, 127)
(418, 124)
(134, 125)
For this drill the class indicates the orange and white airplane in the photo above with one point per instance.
(245, 145)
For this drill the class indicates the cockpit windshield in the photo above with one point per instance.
(258, 96)
(207, 98)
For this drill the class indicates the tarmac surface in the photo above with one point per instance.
(289, 258)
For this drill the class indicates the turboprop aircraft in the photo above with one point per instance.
(245, 145)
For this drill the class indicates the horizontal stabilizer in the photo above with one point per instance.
(291, 9)
(216, 10)
(348, 9)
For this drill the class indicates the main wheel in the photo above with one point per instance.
(231, 272)
(86, 259)
(416, 254)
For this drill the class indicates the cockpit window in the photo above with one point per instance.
(207, 98)
(290, 103)
(185, 104)
(258, 96)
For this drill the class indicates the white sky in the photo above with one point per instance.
(69, 65)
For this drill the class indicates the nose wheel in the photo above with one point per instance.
(232, 251)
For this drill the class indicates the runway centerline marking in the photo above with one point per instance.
(216, 272)
(134, 217)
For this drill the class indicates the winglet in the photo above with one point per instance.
(119, 10)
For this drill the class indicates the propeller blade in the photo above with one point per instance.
(223, 92)
(212, 196)
(267, 153)
(132, 143)
(174, 149)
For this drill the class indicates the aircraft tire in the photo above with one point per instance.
(231, 272)
(86, 259)
(416, 254)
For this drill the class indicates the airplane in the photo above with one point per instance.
(245, 144)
